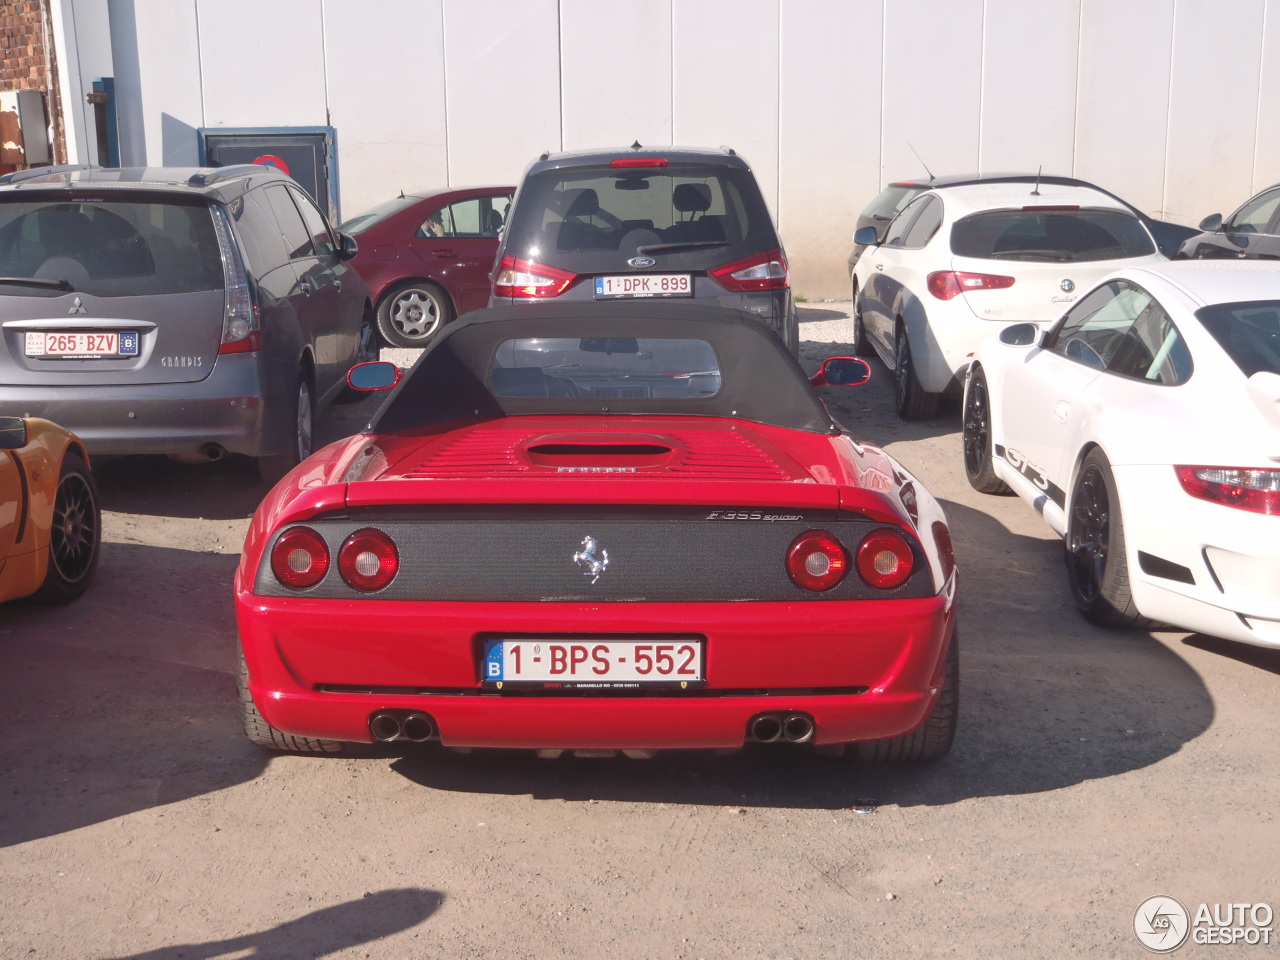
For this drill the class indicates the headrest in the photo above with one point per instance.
(691, 197)
(584, 204)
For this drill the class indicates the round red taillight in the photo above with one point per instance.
(816, 560)
(300, 558)
(368, 560)
(885, 559)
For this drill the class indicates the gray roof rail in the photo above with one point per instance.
(208, 175)
(19, 175)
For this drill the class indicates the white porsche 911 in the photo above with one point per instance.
(1144, 426)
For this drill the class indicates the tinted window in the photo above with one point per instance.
(377, 214)
(263, 248)
(605, 367)
(926, 224)
(131, 246)
(1152, 349)
(297, 239)
(1094, 326)
(687, 215)
(317, 226)
(897, 233)
(1254, 216)
(1068, 236)
(1248, 332)
(889, 201)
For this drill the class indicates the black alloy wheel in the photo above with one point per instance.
(861, 347)
(1097, 570)
(75, 534)
(910, 399)
(978, 466)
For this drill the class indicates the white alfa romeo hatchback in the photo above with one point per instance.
(960, 261)
(1144, 426)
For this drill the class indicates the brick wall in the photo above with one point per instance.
(23, 62)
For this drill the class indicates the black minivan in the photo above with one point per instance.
(640, 223)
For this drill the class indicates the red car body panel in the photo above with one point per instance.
(390, 251)
(863, 669)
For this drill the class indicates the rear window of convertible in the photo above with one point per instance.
(1051, 236)
(622, 367)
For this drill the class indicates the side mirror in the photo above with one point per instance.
(347, 247)
(374, 375)
(866, 237)
(1020, 335)
(13, 433)
(1211, 223)
(842, 372)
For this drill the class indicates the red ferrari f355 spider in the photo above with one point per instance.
(574, 527)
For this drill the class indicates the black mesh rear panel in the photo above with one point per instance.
(504, 559)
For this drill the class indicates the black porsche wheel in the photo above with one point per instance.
(909, 397)
(261, 732)
(933, 739)
(861, 348)
(75, 534)
(1097, 570)
(977, 438)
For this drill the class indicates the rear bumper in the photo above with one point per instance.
(231, 407)
(760, 657)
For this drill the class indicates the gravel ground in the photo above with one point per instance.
(1092, 770)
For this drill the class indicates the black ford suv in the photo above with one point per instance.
(643, 223)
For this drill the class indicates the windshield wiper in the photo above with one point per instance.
(36, 282)
(686, 245)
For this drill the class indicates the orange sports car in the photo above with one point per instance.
(50, 528)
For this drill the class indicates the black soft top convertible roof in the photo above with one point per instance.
(761, 381)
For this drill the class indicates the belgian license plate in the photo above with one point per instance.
(587, 663)
(645, 285)
(112, 344)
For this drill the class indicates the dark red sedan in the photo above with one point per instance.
(426, 257)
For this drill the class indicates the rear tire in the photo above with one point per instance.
(1097, 568)
(273, 468)
(367, 350)
(413, 313)
(933, 739)
(262, 733)
(75, 534)
(909, 397)
(861, 347)
(978, 465)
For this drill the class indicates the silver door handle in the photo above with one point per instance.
(305, 286)
(338, 285)
(1061, 410)
(879, 266)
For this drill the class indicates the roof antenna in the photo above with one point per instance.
(402, 193)
(922, 163)
(636, 145)
(1035, 191)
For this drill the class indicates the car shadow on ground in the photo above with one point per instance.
(807, 314)
(1261, 658)
(227, 489)
(319, 933)
(1047, 701)
(123, 700)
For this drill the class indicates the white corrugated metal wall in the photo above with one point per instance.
(1170, 103)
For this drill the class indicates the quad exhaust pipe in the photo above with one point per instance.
(772, 727)
(388, 725)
